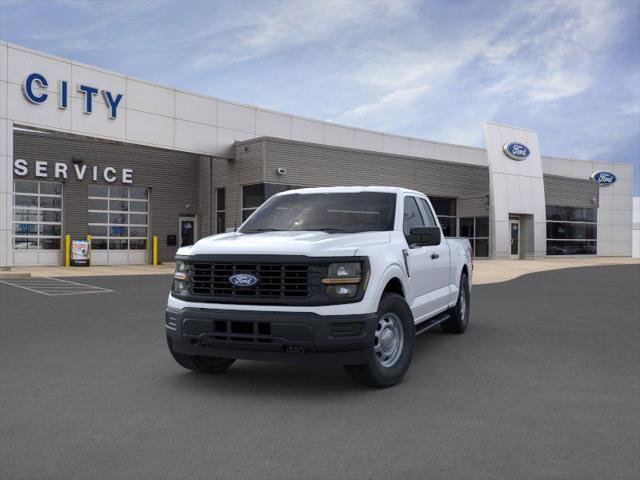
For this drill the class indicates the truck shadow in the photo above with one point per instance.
(300, 380)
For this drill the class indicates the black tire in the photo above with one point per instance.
(459, 314)
(200, 364)
(374, 373)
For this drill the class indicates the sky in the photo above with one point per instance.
(568, 69)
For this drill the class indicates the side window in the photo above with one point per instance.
(412, 216)
(431, 222)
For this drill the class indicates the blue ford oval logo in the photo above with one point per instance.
(516, 151)
(604, 178)
(243, 280)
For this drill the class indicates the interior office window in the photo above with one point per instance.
(37, 215)
(476, 229)
(255, 195)
(446, 210)
(220, 210)
(118, 217)
(571, 230)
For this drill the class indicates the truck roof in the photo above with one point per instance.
(350, 189)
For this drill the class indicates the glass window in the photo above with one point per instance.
(122, 218)
(25, 201)
(119, 218)
(119, 205)
(467, 227)
(482, 226)
(98, 191)
(431, 221)
(98, 204)
(138, 244)
(220, 199)
(25, 186)
(444, 206)
(50, 243)
(138, 232)
(31, 222)
(571, 230)
(481, 247)
(138, 193)
(22, 215)
(138, 206)
(448, 225)
(329, 212)
(252, 196)
(115, 244)
(119, 192)
(50, 230)
(50, 188)
(98, 230)
(25, 228)
(220, 210)
(21, 243)
(51, 202)
(412, 217)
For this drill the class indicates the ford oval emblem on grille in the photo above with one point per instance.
(516, 151)
(243, 280)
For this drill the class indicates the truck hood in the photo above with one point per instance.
(312, 244)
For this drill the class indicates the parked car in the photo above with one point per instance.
(342, 275)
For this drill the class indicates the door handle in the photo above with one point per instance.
(434, 256)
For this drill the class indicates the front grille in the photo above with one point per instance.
(276, 280)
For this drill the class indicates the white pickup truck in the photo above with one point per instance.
(344, 275)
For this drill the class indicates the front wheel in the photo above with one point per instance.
(459, 314)
(200, 364)
(392, 347)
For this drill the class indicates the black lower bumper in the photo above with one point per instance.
(283, 336)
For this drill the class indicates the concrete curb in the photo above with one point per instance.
(13, 275)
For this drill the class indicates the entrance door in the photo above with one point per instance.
(187, 229)
(515, 239)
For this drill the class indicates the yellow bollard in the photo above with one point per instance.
(155, 251)
(67, 250)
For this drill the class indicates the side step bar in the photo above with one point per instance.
(432, 322)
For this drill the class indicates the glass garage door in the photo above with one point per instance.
(118, 219)
(37, 223)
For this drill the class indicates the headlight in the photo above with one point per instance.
(181, 271)
(343, 279)
(181, 279)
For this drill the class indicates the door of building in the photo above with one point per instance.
(515, 239)
(187, 231)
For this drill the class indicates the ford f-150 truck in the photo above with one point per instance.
(343, 275)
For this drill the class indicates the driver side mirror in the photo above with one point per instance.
(424, 237)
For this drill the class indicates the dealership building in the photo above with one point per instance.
(89, 152)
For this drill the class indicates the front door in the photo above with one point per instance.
(515, 239)
(187, 230)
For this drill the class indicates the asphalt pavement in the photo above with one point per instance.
(544, 384)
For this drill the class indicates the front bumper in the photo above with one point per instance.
(271, 335)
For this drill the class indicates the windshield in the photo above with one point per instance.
(327, 212)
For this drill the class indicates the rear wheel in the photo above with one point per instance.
(392, 347)
(200, 364)
(459, 314)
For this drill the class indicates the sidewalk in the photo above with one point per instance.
(485, 271)
(494, 271)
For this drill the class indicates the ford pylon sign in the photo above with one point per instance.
(603, 178)
(516, 151)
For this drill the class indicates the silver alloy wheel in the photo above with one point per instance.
(463, 303)
(389, 339)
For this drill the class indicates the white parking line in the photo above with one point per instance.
(54, 287)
